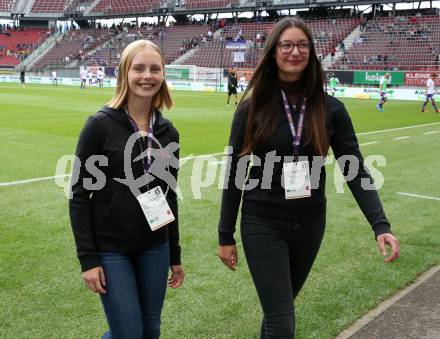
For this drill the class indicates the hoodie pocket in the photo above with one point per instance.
(124, 213)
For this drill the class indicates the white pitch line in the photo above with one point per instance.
(369, 143)
(207, 155)
(12, 183)
(401, 138)
(398, 129)
(418, 196)
(201, 156)
(26, 181)
(432, 132)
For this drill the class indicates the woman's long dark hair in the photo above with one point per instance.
(264, 98)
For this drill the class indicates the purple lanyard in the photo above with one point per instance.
(146, 162)
(295, 134)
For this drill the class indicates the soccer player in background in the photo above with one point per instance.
(90, 77)
(232, 86)
(334, 81)
(383, 91)
(100, 77)
(430, 91)
(83, 76)
(54, 78)
(242, 84)
(23, 77)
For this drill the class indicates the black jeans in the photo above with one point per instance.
(280, 254)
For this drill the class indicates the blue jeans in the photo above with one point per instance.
(135, 286)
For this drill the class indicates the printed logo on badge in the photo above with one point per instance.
(296, 180)
(155, 207)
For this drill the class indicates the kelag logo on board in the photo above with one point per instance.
(373, 78)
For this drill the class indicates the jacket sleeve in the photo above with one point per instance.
(344, 142)
(80, 206)
(173, 228)
(232, 191)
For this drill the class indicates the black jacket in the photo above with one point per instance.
(271, 203)
(110, 218)
(232, 80)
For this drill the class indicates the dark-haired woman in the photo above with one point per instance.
(286, 114)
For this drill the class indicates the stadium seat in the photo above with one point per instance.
(328, 33)
(125, 6)
(49, 6)
(395, 43)
(6, 5)
(20, 43)
(75, 45)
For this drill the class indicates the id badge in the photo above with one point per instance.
(155, 207)
(296, 180)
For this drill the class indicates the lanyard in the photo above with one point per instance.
(146, 162)
(296, 134)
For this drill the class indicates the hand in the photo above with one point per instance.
(391, 240)
(177, 276)
(95, 279)
(228, 255)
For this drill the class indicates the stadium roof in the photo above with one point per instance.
(76, 8)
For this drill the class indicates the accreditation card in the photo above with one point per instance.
(296, 180)
(155, 207)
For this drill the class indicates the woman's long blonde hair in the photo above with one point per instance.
(160, 99)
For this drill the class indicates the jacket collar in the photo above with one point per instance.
(160, 124)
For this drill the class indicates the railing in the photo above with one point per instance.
(38, 52)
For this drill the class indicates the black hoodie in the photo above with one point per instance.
(271, 203)
(109, 218)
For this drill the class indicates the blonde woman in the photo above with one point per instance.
(124, 252)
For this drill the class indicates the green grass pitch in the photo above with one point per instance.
(41, 291)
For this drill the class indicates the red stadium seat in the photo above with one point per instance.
(19, 43)
(49, 6)
(6, 5)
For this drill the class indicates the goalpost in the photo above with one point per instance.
(198, 76)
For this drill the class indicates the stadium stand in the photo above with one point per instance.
(6, 5)
(133, 6)
(8, 61)
(172, 38)
(125, 6)
(404, 42)
(17, 44)
(74, 45)
(169, 39)
(328, 34)
(198, 4)
(49, 6)
(208, 49)
(241, 37)
(395, 43)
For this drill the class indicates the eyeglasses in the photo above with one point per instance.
(287, 47)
